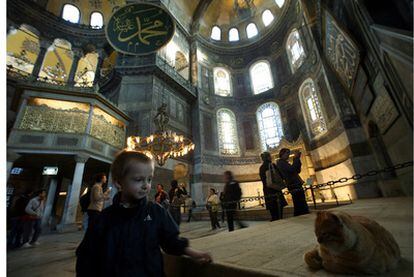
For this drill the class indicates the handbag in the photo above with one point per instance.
(274, 179)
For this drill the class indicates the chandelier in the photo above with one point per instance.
(163, 144)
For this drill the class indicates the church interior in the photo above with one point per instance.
(222, 83)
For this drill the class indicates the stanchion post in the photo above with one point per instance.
(313, 197)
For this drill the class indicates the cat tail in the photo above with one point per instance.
(313, 260)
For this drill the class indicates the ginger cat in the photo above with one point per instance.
(352, 245)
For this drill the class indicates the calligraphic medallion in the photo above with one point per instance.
(139, 28)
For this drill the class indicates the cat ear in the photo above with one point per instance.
(336, 218)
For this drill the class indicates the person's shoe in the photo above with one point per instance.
(35, 243)
(26, 245)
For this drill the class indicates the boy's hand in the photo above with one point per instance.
(198, 256)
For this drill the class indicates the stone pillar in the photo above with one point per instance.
(49, 202)
(20, 113)
(101, 56)
(77, 55)
(11, 158)
(44, 45)
(89, 125)
(70, 210)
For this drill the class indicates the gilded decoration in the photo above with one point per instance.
(341, 52)
(107, 128)
(45, 118)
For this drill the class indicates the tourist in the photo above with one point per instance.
(129, 236)
(33, 219)
(177, 196)
(290, 172)
(17, 219)
(212, 207)
(161, 197)
(98, 198)
(231, 197)
(274, 199)
(191, 205)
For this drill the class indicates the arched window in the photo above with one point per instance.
(85, 72)
(222, 85)
(270, 125)
(71, 13)
(234, 34)
(251, 30)
(96, 20)
(267, 17)
(57, 62)
(280, 3)
(261, 77)
(294, 49)
(23, 47)
(227, 131)
(311, 108)
(216, 33)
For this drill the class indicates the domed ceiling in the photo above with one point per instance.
(227, 14)
(86, 8)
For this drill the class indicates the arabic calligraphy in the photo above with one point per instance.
(139, 28)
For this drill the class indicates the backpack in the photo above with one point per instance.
(274, 179)
(84, 201)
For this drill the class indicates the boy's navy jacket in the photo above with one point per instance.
(127, 241)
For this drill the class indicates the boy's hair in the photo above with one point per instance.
(213, 190)
(174, 184)
(122, 162)
(265, 155)
(161, 185)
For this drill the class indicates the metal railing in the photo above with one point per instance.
(312, 187)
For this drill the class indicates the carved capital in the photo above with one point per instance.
(12, 156)
(80, 158)
(45, 43)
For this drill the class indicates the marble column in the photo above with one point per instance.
(20, 113)
(114, 191)
(51, 193)
(71, 207)
(77, 55)
(101, 57)
(44, 45)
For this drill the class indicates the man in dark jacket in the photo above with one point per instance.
(17, 223)
(275, 201)
(290, 172)
(231, 196)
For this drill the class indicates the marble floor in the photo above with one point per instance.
(263, 249)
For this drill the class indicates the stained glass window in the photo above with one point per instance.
(96, 20)
(227, 131)
(295, 51)
(251, 30)
(234, 34)
(216, 33)
(222, 84)
(311, 107)
(261, 77)
(71, 13)
(270, 125)
(267, 17)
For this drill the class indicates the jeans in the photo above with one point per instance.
(85, 220)
(230, 213)
(300, 206)
(16, 232)
(27, 230)
(213, 218)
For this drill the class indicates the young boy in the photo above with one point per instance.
(129, 234)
